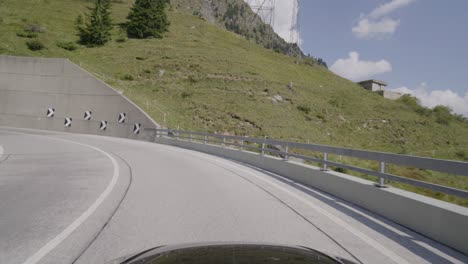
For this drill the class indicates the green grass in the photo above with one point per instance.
(204, 78)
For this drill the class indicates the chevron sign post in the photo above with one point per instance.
(50, 112)
(122, 117)
(136, 128)
(103, 125)
(87, 115)
(68, 122)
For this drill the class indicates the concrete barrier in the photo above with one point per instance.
(444, 222)
(30, 86)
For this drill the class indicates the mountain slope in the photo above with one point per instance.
(201, 77)
(237, 16)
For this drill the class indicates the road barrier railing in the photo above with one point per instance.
(282, 149)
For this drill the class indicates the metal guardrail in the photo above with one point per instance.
(445, 166)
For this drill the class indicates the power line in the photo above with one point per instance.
(265, 10)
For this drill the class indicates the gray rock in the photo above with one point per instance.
(278, 98)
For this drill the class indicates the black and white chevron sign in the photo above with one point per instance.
(103, 125)
(50, 112)
(136, 128)
(122, 117)
(87, 115)
(68, 122)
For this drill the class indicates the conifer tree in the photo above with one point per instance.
(95, 29)
(148, 18)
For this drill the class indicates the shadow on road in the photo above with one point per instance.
(411, 240)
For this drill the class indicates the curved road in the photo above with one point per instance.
(68, 198)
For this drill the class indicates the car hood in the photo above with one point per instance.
(229, 252)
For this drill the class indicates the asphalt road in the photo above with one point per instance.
(86, 199)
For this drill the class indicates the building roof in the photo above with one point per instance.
(373, 81)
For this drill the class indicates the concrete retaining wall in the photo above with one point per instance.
(392, 95)
(441, 221)
(29, 86)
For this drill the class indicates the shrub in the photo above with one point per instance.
(337, 102)
(120, 39)
(232, 11)
(95, 29)
(413, 104)
(442, 114)
(26, 34)
(462, 154)
(460, 117)
(341, 170)
(67, 45)
(186, 94)
(320, 116)
(34, 28)
(192, 79)
(147, 18)
(322, 63)
(35, 45)
(304, 108)
(197, 14)
(311, 61)
(128, 77)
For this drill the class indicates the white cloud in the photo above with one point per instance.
(387, 8)
(283, 17)
(458, 103)
(378, 29)
(355, 69)
(376, 24)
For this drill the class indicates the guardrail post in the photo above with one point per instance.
(156, 135)
(206, 139)
(191, 137)
(286, 157)
(325, 159)
(381, 183)
(242, 145)
(263, 146)
(224, 142)
(177, 135)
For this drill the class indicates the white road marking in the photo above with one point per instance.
(36, 257)
(371, 242)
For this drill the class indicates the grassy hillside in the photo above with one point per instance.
(204, 78)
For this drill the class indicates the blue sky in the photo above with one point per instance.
(417, 46)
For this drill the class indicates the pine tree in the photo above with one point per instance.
(96, 29)
(147, 18)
